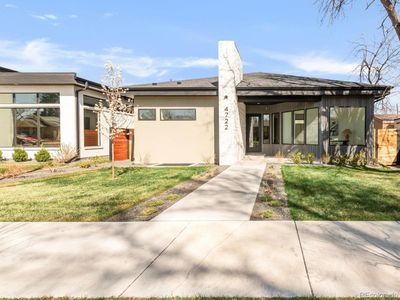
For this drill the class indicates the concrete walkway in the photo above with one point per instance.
(223, 258)
(228, 196)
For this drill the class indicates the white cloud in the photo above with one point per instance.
(46, 17)
(109, 14)
(313, 62)
(42, 55)
(9, 5)
(73, 16)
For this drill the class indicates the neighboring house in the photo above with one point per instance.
(387, 121)
(209, 120)
(49, 109)
(220, 119)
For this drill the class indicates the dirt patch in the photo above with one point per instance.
(271, 202)
(154, 206)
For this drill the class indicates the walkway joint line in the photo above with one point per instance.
(153, 261)
(304, 259)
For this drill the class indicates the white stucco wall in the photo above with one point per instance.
(230, 73)
(67, 113)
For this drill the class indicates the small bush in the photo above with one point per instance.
(266, 198)
(1, 155)
(65, 154)
(42, 155)
(171, 197)
(310, 158)
(340, 160)
(296, 157)
(275, 203)
(20, 155)
(267, 214)
(156, 203)
(85, 164)
(97, 160)
(325, 158)
(148, 211)
(362, 158)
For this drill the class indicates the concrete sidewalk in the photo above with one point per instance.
(224, 258)
(228, 196)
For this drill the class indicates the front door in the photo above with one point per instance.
(253, 133)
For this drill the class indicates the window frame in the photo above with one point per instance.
(92, 109)
(191, 120)
(318, 127)
(270, 127)
(305, 128)
(291, 128)
(273, 129)
(365, 125)
(155, 114)
(37, 98)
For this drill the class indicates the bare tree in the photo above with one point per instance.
(378, 65)
(379, 61)
(116, 110)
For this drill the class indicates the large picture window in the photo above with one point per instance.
(347, 126)
(276, 128)
(287, 127)
(178, 114)
(298, 127)
(266, 129)
(91, 130)
(30, 127)
(312, 126)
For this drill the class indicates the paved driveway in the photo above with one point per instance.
(230, 258)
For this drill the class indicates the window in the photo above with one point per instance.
(178, 114)
(312, 126)
(147, 114)
(91, 132)
(266, 128)
(276, 128)
(287, 127)
(41, 98)
(347, 126)
(30, 127)
(49, 120)
(298, 128)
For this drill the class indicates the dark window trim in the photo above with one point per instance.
(365, 125)
(305, 129)
(90, 108)
(291, 128)
(155, 114)
(318, 129)
(195, 114)
(270, 126)
(273, 129)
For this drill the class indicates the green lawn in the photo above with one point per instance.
(340, 193)
(89, 196)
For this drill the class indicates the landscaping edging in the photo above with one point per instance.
(152, 207)
(271, 202)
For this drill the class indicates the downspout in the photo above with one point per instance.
(77, 92)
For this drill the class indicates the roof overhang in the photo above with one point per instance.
(172, 91)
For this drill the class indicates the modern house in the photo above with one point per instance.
(50, 109)
(206, 120)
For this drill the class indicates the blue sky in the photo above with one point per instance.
(177, 39)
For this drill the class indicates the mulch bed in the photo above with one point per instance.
(154, 206)
(271, 202)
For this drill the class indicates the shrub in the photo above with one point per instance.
(266, 198)
(65, 154)
(325, 158)
(20, 155)
(296, 157)
(156, 203)
(340, 160)
(275, 203)
(362, 158)
(97, 160)
(171, 197)
(1, 155)
(85, 164)
(42, 155)
(310, 158)
(148, 211)
(267, 214)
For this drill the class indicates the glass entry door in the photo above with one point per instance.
(253, 133)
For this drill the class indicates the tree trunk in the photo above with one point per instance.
(391, 11)
(112, 161)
